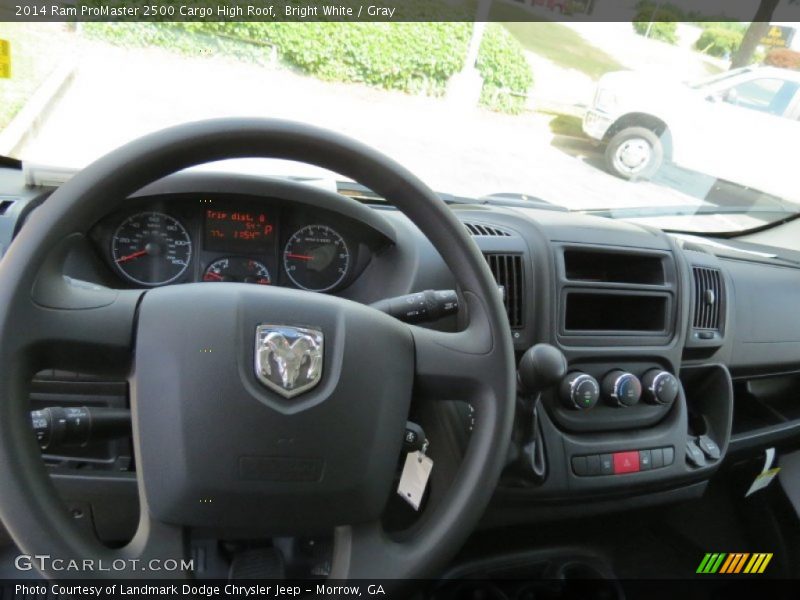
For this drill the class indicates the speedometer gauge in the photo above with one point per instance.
(151, 248)
(316, 258)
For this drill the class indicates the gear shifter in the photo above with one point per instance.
(541, 367)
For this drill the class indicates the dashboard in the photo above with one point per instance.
(676, 358)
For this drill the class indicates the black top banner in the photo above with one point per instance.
(388, 10)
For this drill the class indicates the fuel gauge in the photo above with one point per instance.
(238, 269)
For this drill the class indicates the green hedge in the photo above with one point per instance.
(412, 57)
(718, 41)
(506, 73)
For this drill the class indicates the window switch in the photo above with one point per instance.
(694, 455)
(709, 447)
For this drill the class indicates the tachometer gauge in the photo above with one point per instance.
(151, 248)
(316, 258)
(237, 268)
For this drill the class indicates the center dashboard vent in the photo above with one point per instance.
(507, 271)
(708, 298)
(480, 229)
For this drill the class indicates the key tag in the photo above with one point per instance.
(415, 475)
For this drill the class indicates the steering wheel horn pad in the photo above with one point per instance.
(221, 451)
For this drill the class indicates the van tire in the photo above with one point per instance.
(635, 154)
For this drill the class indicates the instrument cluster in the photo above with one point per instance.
(260, 241)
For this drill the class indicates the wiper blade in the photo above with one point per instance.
(517, 200)
(6, 162)
(683, 211)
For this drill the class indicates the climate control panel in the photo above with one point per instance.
(612, 395)
(619, 389)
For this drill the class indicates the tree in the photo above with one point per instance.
(755, 32)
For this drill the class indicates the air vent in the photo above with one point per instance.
(708, 298)
(507, 271)
(4, 206)
(486, 230)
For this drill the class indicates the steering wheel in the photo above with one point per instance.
(214, 448)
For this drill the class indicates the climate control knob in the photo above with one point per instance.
(660, 387)
(579, 391)
(621, 388)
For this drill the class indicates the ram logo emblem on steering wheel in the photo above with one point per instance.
(288, 359)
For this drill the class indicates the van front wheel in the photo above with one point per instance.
(635, 153)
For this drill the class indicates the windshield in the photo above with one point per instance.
(588, 116)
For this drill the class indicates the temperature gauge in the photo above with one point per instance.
(238, 268)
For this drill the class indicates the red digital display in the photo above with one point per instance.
(238, 231)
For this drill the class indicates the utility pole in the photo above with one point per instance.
(478, 27)
(652, 15)
(464, 88)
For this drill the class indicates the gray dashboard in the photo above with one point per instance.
(611, 295)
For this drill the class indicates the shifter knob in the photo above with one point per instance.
(541, 367)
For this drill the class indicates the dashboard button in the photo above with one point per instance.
(645, 460)
(579, 465)
(606, 464)
(669, 456)
(657, 457)
(593, 464)
(626, 462)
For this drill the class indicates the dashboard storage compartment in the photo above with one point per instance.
(632, 312)
(613, 267)
(766, 411)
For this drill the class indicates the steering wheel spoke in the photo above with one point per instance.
(95, 334)
(452, 366)
(157, 549)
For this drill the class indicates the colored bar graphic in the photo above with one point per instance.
(728, 562)
(767, 558)
(734, 563)
(740, 563)
(755, 562)
(704, 563)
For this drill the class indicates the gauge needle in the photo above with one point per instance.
(300, 256)
(212, 275)
(131, 256)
